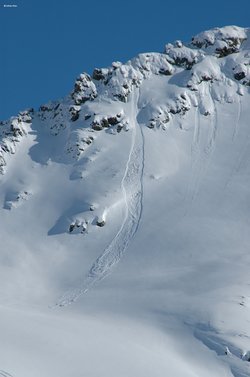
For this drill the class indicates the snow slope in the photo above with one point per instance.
(129, 200)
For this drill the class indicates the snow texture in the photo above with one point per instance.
(129, 198)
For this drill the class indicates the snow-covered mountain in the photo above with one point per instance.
(129, 199)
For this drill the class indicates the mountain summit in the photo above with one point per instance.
(129, 198)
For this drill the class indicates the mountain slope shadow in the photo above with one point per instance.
(212, 339)
(48, 146)
(63, 223)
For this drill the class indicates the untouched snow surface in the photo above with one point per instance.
(129, 199)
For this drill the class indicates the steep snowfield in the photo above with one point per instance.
(124, 220)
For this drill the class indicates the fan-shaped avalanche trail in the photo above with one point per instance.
(132, 188)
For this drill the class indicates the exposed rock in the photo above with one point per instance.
(166, 72)
(49, 111)
(113, 120)
(78, 142)
(11, 133)
(240, 71)
(182, 56)
(75, 112)
(120, 79)
(84, 89)
(99, 123)
(206, 113)
(100, 223)
(246, 356)
(45, 108)
(239, 75)
(160, 119)
(78, 226)
(221, 41)
(98, 74)
(119, 127)
(117, 82)
(14, 200)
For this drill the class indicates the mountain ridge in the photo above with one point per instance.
(142, 171)
(117, 82)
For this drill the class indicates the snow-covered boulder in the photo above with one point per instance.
(221, 41)
(181, 55)
(84, 89)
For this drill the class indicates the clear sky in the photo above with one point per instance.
(45, 44)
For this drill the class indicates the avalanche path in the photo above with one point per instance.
(132, 189)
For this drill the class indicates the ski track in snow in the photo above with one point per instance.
(214, 129)
(243, 151)
(132, 188)
(200, 156)
(236, 128)
(242, 158)
(196, 137)
(4, 374)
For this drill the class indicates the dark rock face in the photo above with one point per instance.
(100, 223)
(239, 75)
(98, 74)
(106, 122)
(121, 97)
(84, 89)
(159, 120)
(242, 72)
(97, 126)
(78, 226)
(166, 72)
(119, 128)
(75, 112)
(232, 46)
(113, 120)
(78, 142)
(11, 133)
(246, 82)
(181, 55)
(221, 42)
(184, 62)
(43, 108)
(199, 44)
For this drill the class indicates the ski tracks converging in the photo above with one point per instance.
(132, 189)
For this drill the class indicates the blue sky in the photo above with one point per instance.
(45, 44)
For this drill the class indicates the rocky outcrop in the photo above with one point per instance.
(181, 55)
(79, 140)
(159, 120)
(11, 133)
(74, 112)
(100, 122)
(78, 226)
(241, 73)
(84, 89)
(221, 41)
(212, 57)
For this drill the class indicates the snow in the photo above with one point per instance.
(161, 286)
(226, 33)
